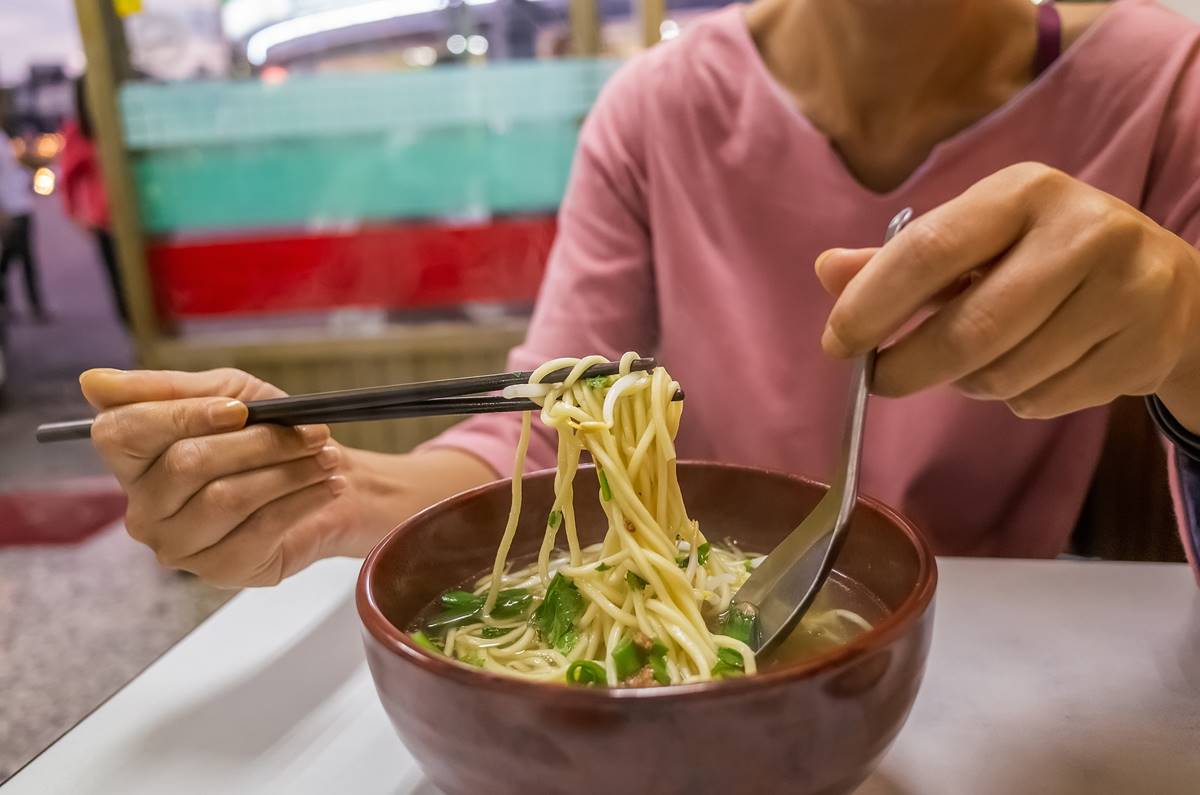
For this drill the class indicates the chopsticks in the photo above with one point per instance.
(446, 397)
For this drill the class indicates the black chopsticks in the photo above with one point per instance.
(446, 397)
(376, 396)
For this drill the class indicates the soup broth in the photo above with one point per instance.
(842, 611)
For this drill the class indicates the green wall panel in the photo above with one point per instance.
(326, 181)
(329, 149)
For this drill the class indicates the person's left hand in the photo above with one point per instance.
(1042, 292)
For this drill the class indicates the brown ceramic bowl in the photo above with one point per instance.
(817, 727)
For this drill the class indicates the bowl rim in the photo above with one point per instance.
(397, 641)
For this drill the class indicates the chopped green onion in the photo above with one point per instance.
(658, 663)
(511, 603)
(555, 617)
(628, 659)
(599, 381)
(682, 561)
(555, 518)
(491, 633)
(605, 491)
(729, 663)
(588, 673)
(473, 659)
(602, 566)
(422, 640)
(702, 553)
(750, 566)
(460, 599)
(741, 626)
(635, 582)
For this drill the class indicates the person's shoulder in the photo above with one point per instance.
(1152, 16)
(698, 74)
(1137, 35)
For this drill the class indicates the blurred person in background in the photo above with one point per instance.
(84, 197)
(724, 210)
(16, 231)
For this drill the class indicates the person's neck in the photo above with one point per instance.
(892, 77)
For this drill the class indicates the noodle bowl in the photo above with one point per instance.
(647, 605)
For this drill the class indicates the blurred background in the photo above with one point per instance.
(327, 193)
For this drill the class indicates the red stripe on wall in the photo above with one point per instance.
(395, 267)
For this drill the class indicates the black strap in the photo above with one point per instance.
(1185, 441)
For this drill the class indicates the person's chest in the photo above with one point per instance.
(736, 227)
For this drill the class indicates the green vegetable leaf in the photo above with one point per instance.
(461, 599)
(740, 625)
(422, 640)
(491, 633)
(465, 608)
(628, 659)
(599, 381)
(602, 566)
(555, 518)
(454, 617)
(511, 603)
(702, 553)
(635, 582)
(729, 663)
(658, 663)
(588, 673)
(555, 617)
(605, 491)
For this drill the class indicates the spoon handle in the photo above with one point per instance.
(783, 587)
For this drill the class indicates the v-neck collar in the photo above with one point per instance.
(1027, 94)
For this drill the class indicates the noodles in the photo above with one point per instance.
(635, 608)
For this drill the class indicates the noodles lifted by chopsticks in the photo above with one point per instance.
(631, 609)
(627, 610)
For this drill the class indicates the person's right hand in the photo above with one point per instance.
(235, 505)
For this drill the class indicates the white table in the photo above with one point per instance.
(1044, 677)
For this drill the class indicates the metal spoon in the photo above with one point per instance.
(784, 585)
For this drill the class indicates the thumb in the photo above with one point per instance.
(106, 388)
(837, 266)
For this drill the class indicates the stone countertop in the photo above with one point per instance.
(1047, 677)
(76, 623)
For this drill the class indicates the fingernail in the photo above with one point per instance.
(227, 415)
(826, 254)
(834, 346)
(328, 457)
(337, 484)
(313, 436)
(99, 371)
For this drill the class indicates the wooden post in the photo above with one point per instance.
(652, 13)
(584, 19)
(107, 67)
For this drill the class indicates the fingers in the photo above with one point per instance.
(931, 254)
(189, 464)
(224, 504)
(130, 438)
(983, 323)
(1098, 377)
(1083, 322)
(106, 388)
(837, 266)
(275, 542)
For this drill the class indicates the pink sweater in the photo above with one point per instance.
(700, 198)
